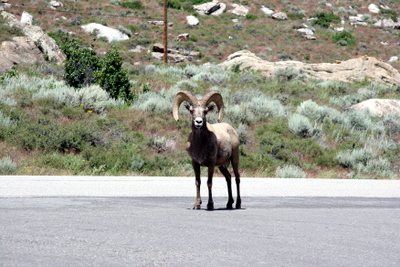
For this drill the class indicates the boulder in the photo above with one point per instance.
(139, 49)
(388, 23)
(26, 18)
(19, 50)
(267, 10)
(374, 8)
(182, 37)
(378, 107)
(207, 8)
(37, 36)
(103, 31)
(240, 10)
(192, 20)
(159, 23)
(220, 10)
(280, 16)
(55, 4)
(357, 69)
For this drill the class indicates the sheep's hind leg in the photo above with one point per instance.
(235, 165)
(228, 176)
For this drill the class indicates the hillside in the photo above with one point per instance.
(216, 37)
(289, 126)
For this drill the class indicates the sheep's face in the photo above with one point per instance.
(199, 113)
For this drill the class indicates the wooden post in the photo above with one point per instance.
(165, 33)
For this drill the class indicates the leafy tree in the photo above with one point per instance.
(112, 77)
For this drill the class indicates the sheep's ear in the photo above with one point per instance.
(188, 107)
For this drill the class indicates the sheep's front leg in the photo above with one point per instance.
(196, 168)
(210, 204)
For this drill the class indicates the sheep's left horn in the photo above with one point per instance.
(217, 99)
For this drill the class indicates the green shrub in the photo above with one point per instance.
(352, 158)
(290, 171)
(389, 13)
(133, 5)
(344, 38)
(7, 166)
(251, 17)
(112, 77)
(325, 19)
(80, 65)
(302, 126)
(290, 73)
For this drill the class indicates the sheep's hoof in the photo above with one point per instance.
(238, 206)
(210, 206)
(197, 207)
(229, 206)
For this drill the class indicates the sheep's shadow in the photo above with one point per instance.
(217, 209)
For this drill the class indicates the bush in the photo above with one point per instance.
(290, 171)
(80, 65)
(352, 158)
(344, 38)
(112, 77)
(289, 74)
(7, 166)
(325, 19)
(133, 5)
(302, 126)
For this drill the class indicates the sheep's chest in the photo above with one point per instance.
(202, 147)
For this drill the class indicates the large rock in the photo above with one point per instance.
(192, 20)
(103, 31)
(207, 8)
(280, 16)
(240, 10)
(379, 107)
(19, 50)
(34, 34)
(357, 69)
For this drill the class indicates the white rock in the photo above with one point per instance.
(393, 59)
(280, 16)
(306, 31)
(139, 49)
(192, 20)
(379, 107)
(220, 10)
(239, 10)
(26, 18)
(339, 29)
(374, 8)
(207, 8)
(182, 37)
(267, 10)
(103, 31)
(55, 4)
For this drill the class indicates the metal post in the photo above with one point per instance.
(165, 33)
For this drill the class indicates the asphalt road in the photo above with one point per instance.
(337, 223)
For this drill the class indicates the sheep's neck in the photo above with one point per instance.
(202, 146)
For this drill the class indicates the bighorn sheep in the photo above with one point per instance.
(210, 145)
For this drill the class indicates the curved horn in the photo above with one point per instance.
(217, 99)
(179, 98)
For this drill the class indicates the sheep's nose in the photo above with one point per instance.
(198, 122)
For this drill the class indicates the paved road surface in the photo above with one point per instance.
(126, 221)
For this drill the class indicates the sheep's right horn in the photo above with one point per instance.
(179, 98)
